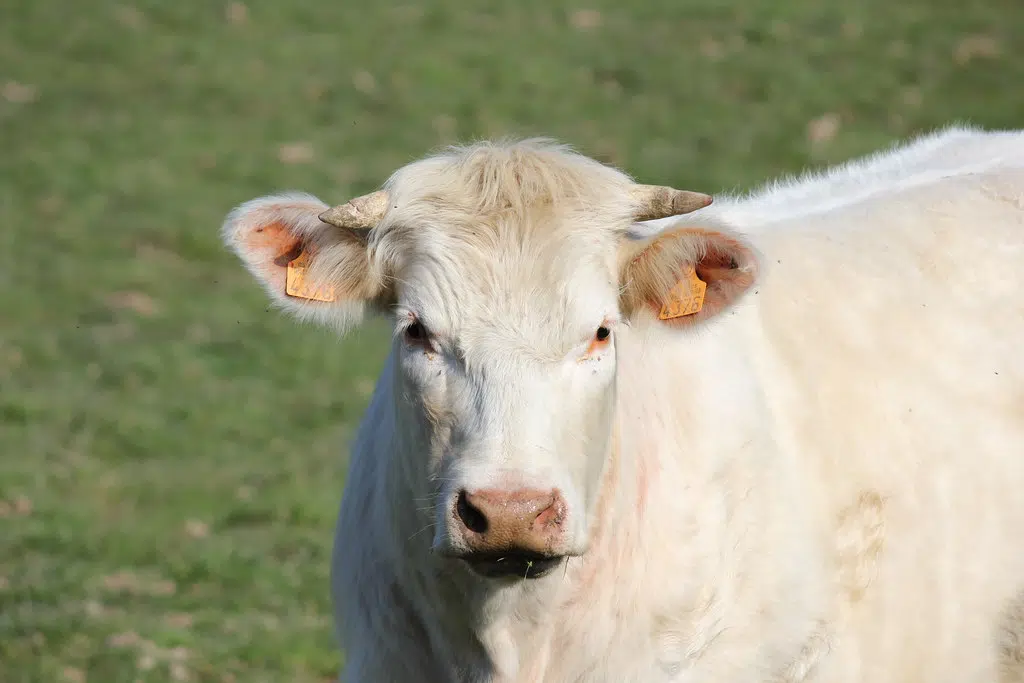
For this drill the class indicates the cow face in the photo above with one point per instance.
(509, 273)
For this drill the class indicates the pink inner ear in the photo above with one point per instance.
(729, 269)
(273, 237)
(287, 257)
(271, 247)
(721, 262)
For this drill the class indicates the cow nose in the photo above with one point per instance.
(522, 520)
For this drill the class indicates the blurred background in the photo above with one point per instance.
(172, 452)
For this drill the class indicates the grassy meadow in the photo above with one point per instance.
(172, 452)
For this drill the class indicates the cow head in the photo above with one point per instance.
(509, 271)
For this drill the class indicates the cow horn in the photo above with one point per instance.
(655, 201)
(360, 213)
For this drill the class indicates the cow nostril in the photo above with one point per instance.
(470, 516)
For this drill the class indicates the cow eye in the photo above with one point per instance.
(416, 333)
(602, 333)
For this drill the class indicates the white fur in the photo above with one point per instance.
(823, 483)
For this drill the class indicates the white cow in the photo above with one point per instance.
(780, 438)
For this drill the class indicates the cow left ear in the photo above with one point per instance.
(685, 275)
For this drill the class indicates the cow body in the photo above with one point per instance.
(824, 482)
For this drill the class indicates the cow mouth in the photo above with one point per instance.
(522, 565)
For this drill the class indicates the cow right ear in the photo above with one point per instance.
(314, 270)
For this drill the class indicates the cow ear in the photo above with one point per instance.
(685, 275)
(314, 270)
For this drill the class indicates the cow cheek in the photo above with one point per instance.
(601, 429)
(586, 457)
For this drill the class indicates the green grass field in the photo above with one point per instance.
(171, 452)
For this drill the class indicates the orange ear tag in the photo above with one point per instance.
(296, 284)
(686, 298)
